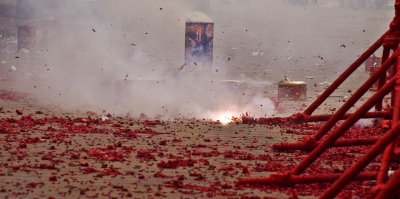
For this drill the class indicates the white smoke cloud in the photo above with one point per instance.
(122, 56)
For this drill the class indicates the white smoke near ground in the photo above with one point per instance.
(365, 123)
(122, 57)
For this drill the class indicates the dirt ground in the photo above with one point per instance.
(49, 153)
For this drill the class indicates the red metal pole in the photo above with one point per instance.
(364, 160)
(385, 165)
(345, 75)
(375, 114)
(344, 126)
(391, 188)
(310, 146)
(393, 99)
(387, 155)
(382, 79)
(385, 56)
(355, 97)
(288, 180)
(301, 118)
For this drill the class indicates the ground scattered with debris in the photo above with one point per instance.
(48, 153)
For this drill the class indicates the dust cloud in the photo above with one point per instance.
(124, 56)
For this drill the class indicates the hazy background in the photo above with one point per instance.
(123, 56)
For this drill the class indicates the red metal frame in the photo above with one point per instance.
(352, 100)
(389, 142)
(321, 99)
(387, 156)
(339, 131)
(362, 162)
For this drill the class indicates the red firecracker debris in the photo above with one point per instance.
(11, 95)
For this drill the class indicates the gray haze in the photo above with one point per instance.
(123, 56)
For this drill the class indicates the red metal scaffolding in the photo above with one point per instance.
(388, 76)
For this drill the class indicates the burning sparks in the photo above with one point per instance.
(226, 118)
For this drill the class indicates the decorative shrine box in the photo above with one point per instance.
(292, 90)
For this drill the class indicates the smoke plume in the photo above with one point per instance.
(123, 57)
